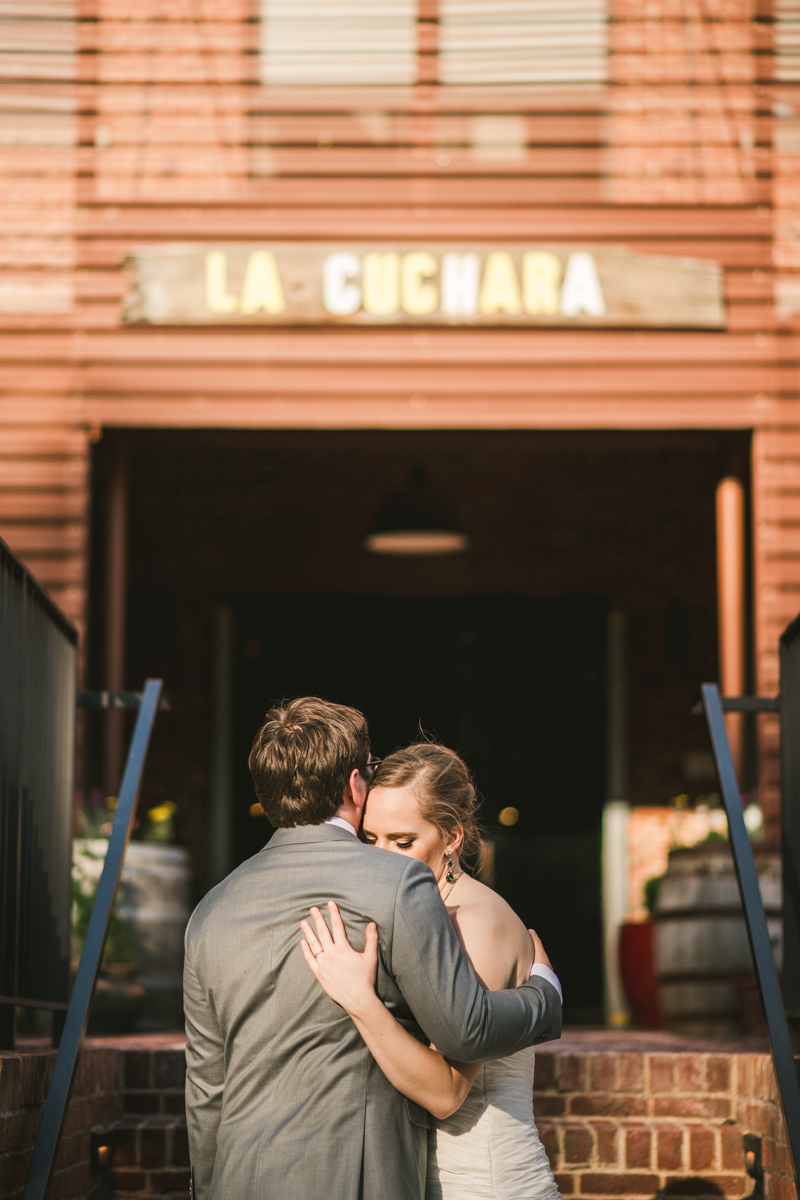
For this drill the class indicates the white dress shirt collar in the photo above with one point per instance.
(340, 821)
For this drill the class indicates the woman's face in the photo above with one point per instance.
(392, 821)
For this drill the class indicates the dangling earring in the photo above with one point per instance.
(449, 875)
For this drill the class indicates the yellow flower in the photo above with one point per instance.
(162, 812)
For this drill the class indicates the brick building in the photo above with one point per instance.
(548, 256)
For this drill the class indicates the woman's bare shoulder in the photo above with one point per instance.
(493, 936)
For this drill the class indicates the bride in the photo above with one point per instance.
(483, 1142)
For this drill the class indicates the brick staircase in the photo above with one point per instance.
(151, 1151)
(620, 1114)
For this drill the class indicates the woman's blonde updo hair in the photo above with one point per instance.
(443, 784)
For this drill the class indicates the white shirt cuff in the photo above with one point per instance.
(549, 974)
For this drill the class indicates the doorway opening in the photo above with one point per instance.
(515, 684)
(498, 651)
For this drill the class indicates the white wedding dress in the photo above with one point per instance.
(490, 1149)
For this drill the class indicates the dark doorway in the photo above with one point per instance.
(515, 684)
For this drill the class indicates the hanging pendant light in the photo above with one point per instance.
(415, 521)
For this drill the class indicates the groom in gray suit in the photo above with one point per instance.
(284, 1101)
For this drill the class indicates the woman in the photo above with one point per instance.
(483, 1143)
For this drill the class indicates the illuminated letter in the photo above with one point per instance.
(262, 285)
(381, 284)
(419, 298)
(581, 291)
(341, 296)
(218, 298)
(500, 290)
(460, 284)
(541, 274)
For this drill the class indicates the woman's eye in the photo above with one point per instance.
(404, 845)
(369, 840)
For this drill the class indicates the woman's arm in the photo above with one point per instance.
(417, 1071)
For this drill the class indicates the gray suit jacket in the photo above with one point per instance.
(284, 1101)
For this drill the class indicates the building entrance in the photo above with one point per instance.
(515, 684)
(498, 650)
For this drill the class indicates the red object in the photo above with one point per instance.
(637, 964)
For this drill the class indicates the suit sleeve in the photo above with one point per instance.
(205, 1070)
(463, 1021)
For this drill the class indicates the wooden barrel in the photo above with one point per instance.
(154, 897)
(702, 951)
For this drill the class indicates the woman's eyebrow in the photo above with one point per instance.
(396, 836)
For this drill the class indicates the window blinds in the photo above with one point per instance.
(787, 41)
(338, 41)
(523, 41)
(478, 41)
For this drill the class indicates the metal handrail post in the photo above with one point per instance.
(58, 1095)
(756, 922)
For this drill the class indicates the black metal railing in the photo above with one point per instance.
(57, 1102)
(38, 668)
(755, 918)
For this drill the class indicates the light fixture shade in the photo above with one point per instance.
(415, 521)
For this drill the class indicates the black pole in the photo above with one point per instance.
(55, 1108)
(756, 921)
(790, 818)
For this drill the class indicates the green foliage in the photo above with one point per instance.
(651, 893)
(122, 942)
(160, 827)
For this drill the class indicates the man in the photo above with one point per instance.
(284, 1101)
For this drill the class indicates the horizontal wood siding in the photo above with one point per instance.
(43, 433)
(139, 125)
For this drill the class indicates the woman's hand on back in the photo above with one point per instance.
(539, 952)
(347, 976)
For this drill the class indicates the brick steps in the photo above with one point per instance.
(622, 1122)
(151, 1156)
(633, 1115)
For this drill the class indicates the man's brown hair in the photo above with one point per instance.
(302, 757)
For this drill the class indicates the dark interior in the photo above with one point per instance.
(515, 684)
(499, 651)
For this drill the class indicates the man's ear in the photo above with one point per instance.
(356, 789)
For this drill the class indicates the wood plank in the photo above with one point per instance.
(357, 378)
(45, 410)
(777, 443)
(67, 473)
(41, 441)
(431, 346)
(169, 286)
(382, 411)
(46, 538)
(100, 316)
(39, 377)
(720, 98)
(164, 126)
(752, 317)
(172, 10)
(53, 570)
(276, 192)
(749, 285)
(37, 346)
(44, 505)
(715, 225)
(97, 284)
(270, 161)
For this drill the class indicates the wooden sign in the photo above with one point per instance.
(290, 283)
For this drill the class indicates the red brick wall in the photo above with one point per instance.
(24, 1079)
(628, 1120)
(130, 1088)
(619, 1116)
